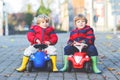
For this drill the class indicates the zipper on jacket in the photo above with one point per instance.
(43, 32)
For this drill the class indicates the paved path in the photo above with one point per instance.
(11, 52)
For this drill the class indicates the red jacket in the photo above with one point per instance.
(43, 34)
(85, 34)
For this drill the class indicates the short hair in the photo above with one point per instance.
(41, 18)
(80, 16)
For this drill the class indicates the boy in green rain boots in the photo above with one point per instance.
(81, 34)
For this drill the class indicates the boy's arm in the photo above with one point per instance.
(90, 37)
(70, 41)
(31, 36)
(53, 36)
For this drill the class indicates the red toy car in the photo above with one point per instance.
(80, 60)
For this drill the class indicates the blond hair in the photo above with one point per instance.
(80, 17)
(41, 18)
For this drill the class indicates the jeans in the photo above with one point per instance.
(91, 50)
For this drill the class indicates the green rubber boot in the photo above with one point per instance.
(65, 63)
(94, 64)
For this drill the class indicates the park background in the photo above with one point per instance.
(16, 16)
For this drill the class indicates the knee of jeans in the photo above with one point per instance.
(67, 48)
(91, 48)
(92, 51)
(67, 53)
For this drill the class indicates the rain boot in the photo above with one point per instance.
(54, 58)
(24, 64)
(65, 63)
(94, 64)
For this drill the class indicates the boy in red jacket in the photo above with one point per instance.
(41, 33)
(82, 34)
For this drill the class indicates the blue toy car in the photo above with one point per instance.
(40, 60)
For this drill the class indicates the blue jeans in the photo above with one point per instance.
(91, 50)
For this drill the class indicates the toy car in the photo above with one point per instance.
(80, 61)
(40, 60)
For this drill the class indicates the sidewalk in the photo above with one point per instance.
(12, 47)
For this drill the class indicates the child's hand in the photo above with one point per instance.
(47, 42)
(75, 43)
(79, 44)
(38, 41)
(83, 44)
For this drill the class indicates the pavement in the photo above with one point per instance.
(12, 48)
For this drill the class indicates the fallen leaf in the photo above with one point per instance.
(114, 50)
(100, 62)
(108, 44)
(118, 50)
(12, 40)
(28, 74)
(101, 56)
(111, 69)
(7, 75)
(108, 37)
(118, 73)
(4, 46)
(22, 49)
(105, 77)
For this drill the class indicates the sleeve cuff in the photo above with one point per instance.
(35, 39)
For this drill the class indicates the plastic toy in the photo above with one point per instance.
(40, 60)
(80, 61)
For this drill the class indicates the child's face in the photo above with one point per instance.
(43, 24)
(80, 23)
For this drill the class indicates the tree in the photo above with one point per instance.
(28, 15)
(28, 18)
(43, 10)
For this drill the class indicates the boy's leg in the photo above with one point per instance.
(25, 59)
(65, 63)
(51, 50)
(54, 59)
(94, 64)
(24, 63)
(92, 51)
(68, 51)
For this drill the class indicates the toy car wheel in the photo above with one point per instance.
(88, 67)
(30, 66)
(49, 65)
(69, 69)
